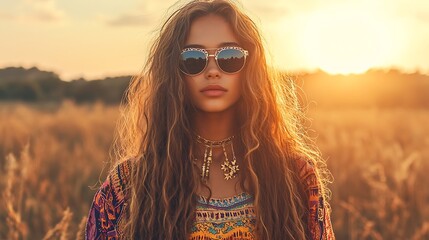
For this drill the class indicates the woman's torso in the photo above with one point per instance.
(227, 218)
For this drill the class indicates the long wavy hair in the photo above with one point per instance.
(155, 130)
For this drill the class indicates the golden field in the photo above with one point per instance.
(51, 158)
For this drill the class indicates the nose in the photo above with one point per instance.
(212, 70)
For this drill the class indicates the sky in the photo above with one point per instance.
(98, 38)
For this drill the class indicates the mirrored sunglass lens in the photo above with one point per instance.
(230, 60)
(192, 62)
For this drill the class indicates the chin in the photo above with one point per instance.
(217, 108)
(213, 109)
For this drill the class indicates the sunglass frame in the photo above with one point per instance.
(215, 55)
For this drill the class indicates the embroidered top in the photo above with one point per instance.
(228, 218)
(231, 218)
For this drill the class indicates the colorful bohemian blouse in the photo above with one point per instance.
(228, 218)
(231, 218)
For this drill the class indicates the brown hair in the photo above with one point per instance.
(155, 128)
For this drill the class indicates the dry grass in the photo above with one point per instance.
(51, 155)
(54, 154)
(379, 162)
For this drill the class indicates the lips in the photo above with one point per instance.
(213, 91)
(213, 88)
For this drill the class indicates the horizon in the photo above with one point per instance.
(97, 39)
(290, 73)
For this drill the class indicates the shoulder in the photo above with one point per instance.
(116, 185)
(109, 203)
(306, 172)
(319, 222)
(119, 179)
(307, 175)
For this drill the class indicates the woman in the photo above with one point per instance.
(211, 141)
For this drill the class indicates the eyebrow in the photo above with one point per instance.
(224, 44)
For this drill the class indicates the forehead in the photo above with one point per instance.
(210, 31)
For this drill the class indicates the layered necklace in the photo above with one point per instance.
(230, 168)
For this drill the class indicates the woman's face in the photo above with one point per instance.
(206, 32)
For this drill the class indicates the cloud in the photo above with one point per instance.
(34, 10)
(45, 11)
(129, 19)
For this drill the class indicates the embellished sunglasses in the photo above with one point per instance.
(230, 59)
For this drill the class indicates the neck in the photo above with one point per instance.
(221, 158)
(214, 126)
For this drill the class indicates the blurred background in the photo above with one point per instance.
(361, 67)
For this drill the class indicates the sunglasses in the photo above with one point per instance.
(230, 60)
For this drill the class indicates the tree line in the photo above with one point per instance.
(34, 85)
(376, 88)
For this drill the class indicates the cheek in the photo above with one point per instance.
(189, 84)
(191, 87)
(237, 85)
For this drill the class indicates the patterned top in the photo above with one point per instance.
(231, 218)
(228, 218)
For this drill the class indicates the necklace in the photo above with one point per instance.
(230, 168)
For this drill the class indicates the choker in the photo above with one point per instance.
(230, 168)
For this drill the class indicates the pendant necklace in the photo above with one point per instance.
(230, 168)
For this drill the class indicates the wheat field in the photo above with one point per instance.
(52, 157)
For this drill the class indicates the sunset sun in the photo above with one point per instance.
(343, 42)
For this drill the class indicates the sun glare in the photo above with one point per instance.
(344, 41)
